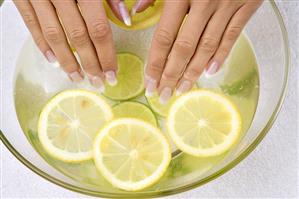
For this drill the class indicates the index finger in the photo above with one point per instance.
(171, 20)
(101, 36)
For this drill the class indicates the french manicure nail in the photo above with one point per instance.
(75, 76)
(135, 7)
(97, 82)
(50, 57)
(151, 85)
(184, 86)
(165, 95)
(111, 78)
(124, 13)
(213, 68)
(56, 64)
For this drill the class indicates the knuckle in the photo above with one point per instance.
(29, 19)
(99, 30)
(156, 67)
(79, 36)
(91, 66)
(233, 33)
(208, 44)
(88, 66)
(170, 76)
(192, 73)
(39, 41)
(52, 34)
(223, 50)
(184, 47)
(164, 38)
(67, 66)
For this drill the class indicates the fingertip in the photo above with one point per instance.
(50, 56)
(151, 86)
(75, 76)
(165, 95)
(124, 13)
(184, 86)
(212, 69)
(136, 7)
(114, 7)
(97, 82)
(140, 6)
(111, 77)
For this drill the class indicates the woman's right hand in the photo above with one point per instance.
(87, 30)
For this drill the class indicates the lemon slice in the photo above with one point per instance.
(203, 123)
(69, 123)
(129, 77)
(131, 154)
(134, 110)
(142, 20)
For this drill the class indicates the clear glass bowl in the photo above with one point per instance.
(268, 36)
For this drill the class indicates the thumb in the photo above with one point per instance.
(141, 5)
(120, 10)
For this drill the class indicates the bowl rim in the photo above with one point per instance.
(190, 186)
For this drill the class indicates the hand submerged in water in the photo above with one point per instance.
(182, 48)
(84, 23)
(180, 51)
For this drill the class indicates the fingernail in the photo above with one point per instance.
(124, 13)
(184, 86)
(135, 7)
(50, 56)
(213, 68)
(111, 78)
(75, 76)
(56, 64)
(151, 85)
(165, 95)
(97, 82)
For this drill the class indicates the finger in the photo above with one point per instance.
(120, 10)
(233, 31)
(32, 24)
(162, 42)
(56, 38)
(186, 43)
(207, 46)
(79, 38)
(101, 36)
(141, 5)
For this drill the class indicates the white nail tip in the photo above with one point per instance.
(148, 93)
(56, 64)
(124, 13)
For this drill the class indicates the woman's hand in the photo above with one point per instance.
(182, 49)
(53, 22)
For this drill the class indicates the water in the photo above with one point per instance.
(238, 79)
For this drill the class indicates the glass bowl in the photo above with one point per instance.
(267, 34)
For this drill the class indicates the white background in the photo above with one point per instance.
(271, 170)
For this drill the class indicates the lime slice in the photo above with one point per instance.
(69, 123)
(203, 123)
(134, 110)
(158, 107)
(142, 20)
(129, 77)
(131, 154)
